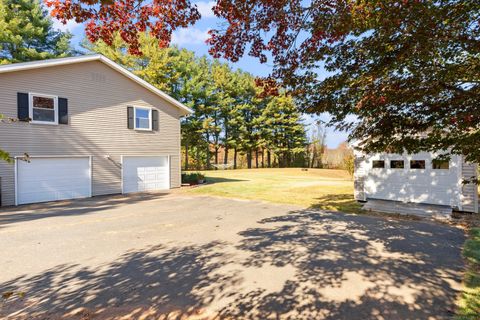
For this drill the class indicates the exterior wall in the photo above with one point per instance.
(97, 105)
(429, 186)
(469, 191)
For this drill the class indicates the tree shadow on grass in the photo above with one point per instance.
(337, 202)
(211, 180)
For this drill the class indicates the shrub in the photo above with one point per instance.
(192, 178)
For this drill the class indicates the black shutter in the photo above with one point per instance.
(62, 111)
(22, 107)
(155, 120)
(130, 117)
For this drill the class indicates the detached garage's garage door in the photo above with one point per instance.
(146, 173)
(48, 179)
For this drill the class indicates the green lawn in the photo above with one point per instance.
(315, 188)
(469, 303)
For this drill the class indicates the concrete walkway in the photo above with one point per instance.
(177, 257)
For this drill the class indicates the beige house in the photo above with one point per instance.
(89, 127)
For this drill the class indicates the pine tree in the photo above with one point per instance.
(27, 33)
(283, 130)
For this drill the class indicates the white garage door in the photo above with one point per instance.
(434, 186)
(146, 173)
(49, 179)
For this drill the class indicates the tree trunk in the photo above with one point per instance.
(186, 156)
(263, 158)
(208, 153)
(216, 157)
(269, 159)
(256, 158)
(225, 156)
(235, 158)
(249, 159)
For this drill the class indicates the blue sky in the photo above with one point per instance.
(193, 39)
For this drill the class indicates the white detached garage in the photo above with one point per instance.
(416, 179)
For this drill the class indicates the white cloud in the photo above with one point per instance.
(205, 8)
(188, 36)
(69, 26)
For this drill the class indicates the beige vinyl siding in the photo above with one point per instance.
(469, 191)
(98, 97)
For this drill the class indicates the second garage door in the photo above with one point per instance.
(145, 173)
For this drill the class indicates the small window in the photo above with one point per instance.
(143, 118)
(397, 164)
(43, 108)
(378, 164)
(440, 164)
(417, 164)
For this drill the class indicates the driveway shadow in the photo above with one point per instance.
(65, 208)
(345, 267)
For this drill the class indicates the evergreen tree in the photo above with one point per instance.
(27, 33)
(284, 130)
(229, 111)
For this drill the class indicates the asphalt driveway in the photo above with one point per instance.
(178, 257)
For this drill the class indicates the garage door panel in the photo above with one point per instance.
(145, 173)
(49, 179)
(412, 185)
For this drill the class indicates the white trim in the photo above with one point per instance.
(16, 182)
(55, 108)
(149, 118)
(121, 172)
(475, 195)
(459, 197)
(95, 57)
(90, 164)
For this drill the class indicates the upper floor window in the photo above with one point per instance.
(143, 118)
(43, 108)
(440, 164)
(417, 164)
(378, 164)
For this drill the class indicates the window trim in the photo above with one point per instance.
(149, 118)
(55, 108)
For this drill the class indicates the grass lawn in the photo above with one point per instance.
(315, 188)
(469, 304)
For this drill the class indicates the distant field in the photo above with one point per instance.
(316, 188)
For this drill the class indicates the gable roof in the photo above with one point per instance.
(95, 57)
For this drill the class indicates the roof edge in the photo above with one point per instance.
(94, 57)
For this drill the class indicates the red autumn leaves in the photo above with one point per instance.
(129, 18)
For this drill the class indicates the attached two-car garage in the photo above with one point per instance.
(58, 178)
